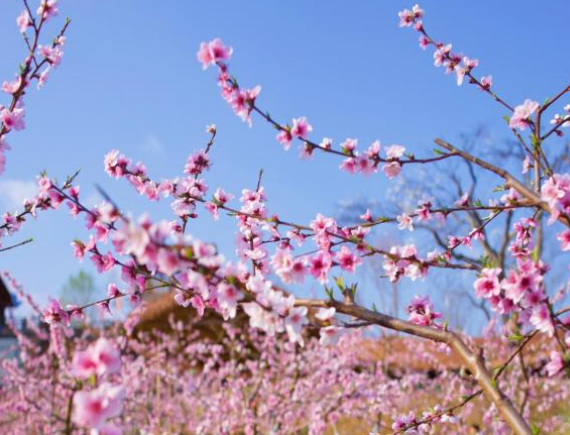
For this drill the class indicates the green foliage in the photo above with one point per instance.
(79, 289)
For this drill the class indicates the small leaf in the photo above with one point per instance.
(516, 337)
(339, 281)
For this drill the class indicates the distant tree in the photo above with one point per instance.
(79, 290)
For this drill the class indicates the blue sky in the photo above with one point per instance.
(130, 80)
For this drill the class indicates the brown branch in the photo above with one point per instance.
(511, 181)
(473, 362)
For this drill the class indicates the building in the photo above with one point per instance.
(6, 301)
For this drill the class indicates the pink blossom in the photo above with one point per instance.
(228, 297)
(101, 358)
(13, 86)
(463, 201)
(322, 224)
(198, 304)
(197, 163)
(349, 145)
(103, 263)
(54, 314)
(541, 319)
(395, 152)
(554, 190)
(392, 169)
(424, 210)
(330, 335)
(326, 143)
(564, 238)
(319, 266)
(23, 21)
(262, 319)
(404, 421)
(221, 196)
(288, 268)
(405, 222)
(52, 54)
(441, 54)
(521, 116)
(486, 82)
(131, 239)
(325, 314)
(284, 137)
(14, 119)
(212, 52)
(366, 216)
(294, 322)
(242, 102)
(488, 284)
(47, 9)
(520, 282)
(526, 164)
(407, 17)
(347, 260)
(422, 312)
(92, 409)
(113, 291)
(115, 164)
(167, 261)
(373, 151)
(460, 72)
(349, 165)
(365, 165)
(555, 364)
(469, 64)
(182, 298)
(301, 128)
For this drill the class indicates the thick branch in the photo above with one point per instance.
(471, 360)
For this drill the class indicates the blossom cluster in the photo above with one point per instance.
(443, 55)
(243, 102)
(309, 388)
(157, 382)
(39, 63)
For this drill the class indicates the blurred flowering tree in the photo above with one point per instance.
(276, 378)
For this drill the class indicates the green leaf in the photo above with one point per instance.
(329, 292)
(339, 281)
(516, 337)
(438, 152)
(535, 254)
(189, 253)
(92, 380)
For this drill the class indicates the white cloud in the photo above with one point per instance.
(153, 145)
(13, 192)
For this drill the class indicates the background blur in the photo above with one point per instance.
(130, 80)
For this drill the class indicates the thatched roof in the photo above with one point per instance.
(160, 307)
